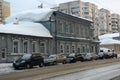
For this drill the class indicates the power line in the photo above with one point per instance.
(105, 6)
(45, 2)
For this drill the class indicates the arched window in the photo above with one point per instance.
(78, 49)
(15, 46)
(42, 47)
(73, 49)
(34, 46)
(68, 48)
(83, 49)
(25, 47)
(61, 48)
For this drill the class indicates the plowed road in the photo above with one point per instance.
(52, 71)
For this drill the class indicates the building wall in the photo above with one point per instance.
(82, 9)
(105, 21)
(5, 10)
(73, 7)
(9, 52)
(72, 35)
(116, 47)
(115, 22)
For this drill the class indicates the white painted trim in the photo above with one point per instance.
(35, 46)
(45, 51)
(16, 40)
(27, 45)
(62, 47)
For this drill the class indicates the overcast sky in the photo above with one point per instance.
(21, 5)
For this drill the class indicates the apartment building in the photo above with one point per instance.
(90, 11)
(105, 21)
(4, 10)
(115, 22)
(73, 8)
(82, 9)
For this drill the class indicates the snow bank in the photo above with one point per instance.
(42, 14)
(6, 67)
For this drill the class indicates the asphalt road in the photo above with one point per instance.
(52, 71)
(100, 73)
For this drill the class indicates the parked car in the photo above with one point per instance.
(101, 54)
(95, 56)
(71, 58)
(87, 57)
(108, 54)
(114, 54)
(54, 59)
(28, 61)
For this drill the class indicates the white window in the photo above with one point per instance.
(34, 46)
(61, 27)
(78, 49)
(42, 47)
(67, 28)
(25, 47)
(73, 48)
(68, 48)
(61, 48)
(15, 46)
(83, 49)
(3, 53)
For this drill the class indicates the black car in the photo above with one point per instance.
(71, 58)
(28, 61)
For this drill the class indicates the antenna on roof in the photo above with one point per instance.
(16, 21)
(40, 6)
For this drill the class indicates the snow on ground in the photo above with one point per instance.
(6, 67)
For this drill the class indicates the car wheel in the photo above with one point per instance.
(41, 64)
(28, 66)
(64, 62)
(55, 63)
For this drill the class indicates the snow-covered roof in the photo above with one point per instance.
(25, 28)
(111, 35)
(107, 39)
(41, 14)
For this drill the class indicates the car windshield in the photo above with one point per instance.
(71, 55)
(52, 56)
(26, 56)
